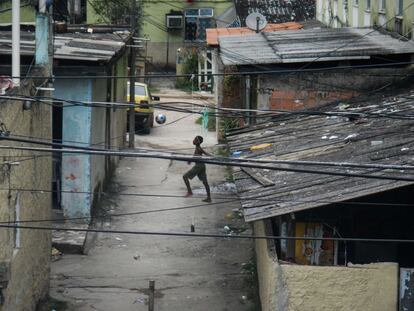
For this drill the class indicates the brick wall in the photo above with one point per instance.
(310, 89)
(291, 100)
(25, 254)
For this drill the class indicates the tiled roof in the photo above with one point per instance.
(214, 33)
(277, 11)
(309, 45)
(369, 138)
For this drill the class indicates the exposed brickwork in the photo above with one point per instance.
(307, 90)
(290, 100)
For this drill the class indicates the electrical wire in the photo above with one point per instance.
(238, 160)
(240, 73)
(207, 235)
(207, 160)
(226, 201)
(90, 218)
(239, 112)
(229, 199)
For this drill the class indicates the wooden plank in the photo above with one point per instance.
(265, 182)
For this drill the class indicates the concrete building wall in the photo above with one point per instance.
(98, 137)
(76, 130)
(118, 116)
(27, 13)
(99, 127)
(164, 41)
(367, 13)
(286, 287)
(306, 90)
(24, 254)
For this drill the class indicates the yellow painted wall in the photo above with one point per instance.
(285, 287)
(362, 287)
(325, 13)
(30, 258)
(269, 274)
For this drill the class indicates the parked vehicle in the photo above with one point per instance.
(144, 109)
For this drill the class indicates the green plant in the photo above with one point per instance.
(116, 12)
(224, 151)
(189, 66)
(50, 303)
(228, 81)
(228, 124)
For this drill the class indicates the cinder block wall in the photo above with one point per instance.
(312, 89)
(25, 254)
(371, 287)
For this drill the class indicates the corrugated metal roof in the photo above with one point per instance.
(92, 47)
(305, 45)
(330, 139)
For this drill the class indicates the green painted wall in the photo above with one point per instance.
(91, 16)
(155, 11)
(27, 14)
(326, 14)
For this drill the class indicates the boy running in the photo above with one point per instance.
(199, 170)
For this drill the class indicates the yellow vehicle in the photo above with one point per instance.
(144, 109)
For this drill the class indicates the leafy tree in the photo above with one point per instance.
(116, 12)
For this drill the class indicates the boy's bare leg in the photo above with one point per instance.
(208, 199)
(187, 184)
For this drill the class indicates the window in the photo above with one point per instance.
(140, 90)
(356, 2)
(381, 4)
(399, 8)
(196, 23)
(368, 4)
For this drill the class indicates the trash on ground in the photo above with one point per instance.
(261, 146)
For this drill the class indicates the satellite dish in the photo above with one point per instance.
(256, 21)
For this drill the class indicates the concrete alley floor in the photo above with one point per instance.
(190, 273)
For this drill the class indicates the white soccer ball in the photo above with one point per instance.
(160, 118)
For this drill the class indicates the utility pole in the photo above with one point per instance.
(42, 37)
(16, 42)
(132, 78)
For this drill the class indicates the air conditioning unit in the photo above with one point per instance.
(174, 21)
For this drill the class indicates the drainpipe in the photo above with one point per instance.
(16, 42)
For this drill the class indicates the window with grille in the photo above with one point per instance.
(196, 23)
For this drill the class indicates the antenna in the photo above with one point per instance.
(256, 21)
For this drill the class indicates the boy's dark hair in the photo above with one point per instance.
(199, 139)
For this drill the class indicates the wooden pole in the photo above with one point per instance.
(151, 295)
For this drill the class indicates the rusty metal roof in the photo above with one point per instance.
(376, 140)
(309, 45)
(214, 33)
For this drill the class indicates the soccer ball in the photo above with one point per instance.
(161, 118)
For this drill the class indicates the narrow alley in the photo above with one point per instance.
(189, 273)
